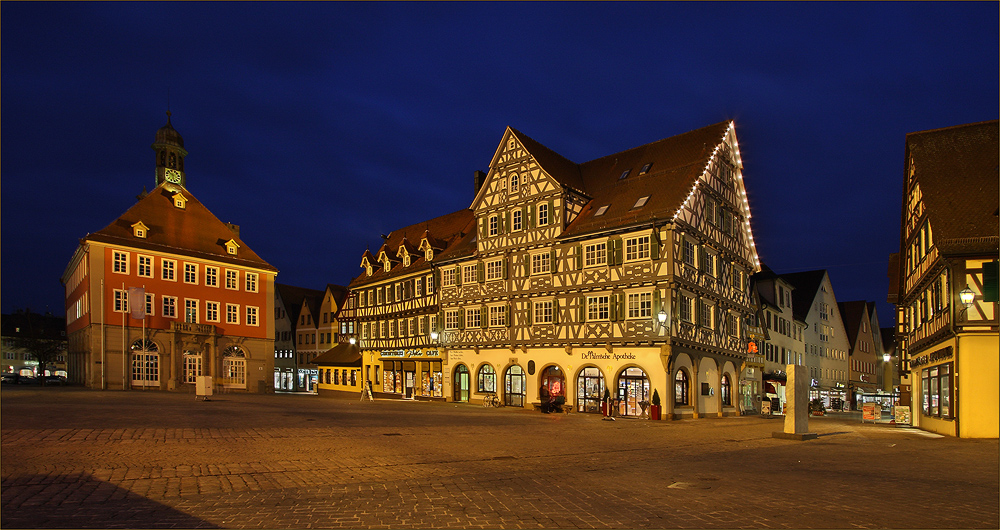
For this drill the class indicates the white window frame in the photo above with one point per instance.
(541, 263)
(150, 304)
(543, 312)
(451, 319)
(191, 273)
(470, 273)
(233, 314)
(498, 316)
(120, 301)
(448, 276)
(119, 262)
(473, 317)
(211, 311)
(599, 308)
(169, 306)
(168, 269)
(232, 279)
(144, 270)
(252, 316)
(637, 248)
(251, 281)
(494, 270)
(685, 312)
(493, 225)
(211, 276)
(595, 254)
(640, 305)
(191, 307)
(543, 214)
(516, 221)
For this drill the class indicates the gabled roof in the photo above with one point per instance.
(343, 354)
(192, 231)
(313, 303)
(806, 286)
(456, 231)
(557, 166)
(957, 170)
(339, 293)
(292, 297)
(676, 164)
(852, 314)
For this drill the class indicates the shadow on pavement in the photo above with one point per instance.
(81, 501)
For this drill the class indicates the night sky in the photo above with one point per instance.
(316, 127)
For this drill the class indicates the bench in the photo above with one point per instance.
(565, 408)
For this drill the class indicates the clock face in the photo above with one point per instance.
(172, 175)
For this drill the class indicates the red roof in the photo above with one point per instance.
(190, 231)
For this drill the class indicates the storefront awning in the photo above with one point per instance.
(344, 354)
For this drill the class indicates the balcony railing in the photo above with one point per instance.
(188, 327)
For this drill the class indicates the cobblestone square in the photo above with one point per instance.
(75, 458)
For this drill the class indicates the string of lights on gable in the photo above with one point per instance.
(743, 193)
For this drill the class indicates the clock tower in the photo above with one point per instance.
(170, 153)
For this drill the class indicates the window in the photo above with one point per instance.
(473, 318)
(251, 282)
(191, 310)
(232, 279)
(192, 367)
(705, 313)
(543, 214)
(937, 389)
(145, 268)
(543, 312)
(684, 307)
(447, 278)
(541, 263)
(726, 390)
(494, 270)
(191, 273)
(645, 168)
(149, 304)
(598, 308)
(513, 183)
(494, 225)
(211, 276)
(119, 262)
(487, 378)
(624, 174)
(687, 252)
(121, 301)
(470, 273)
(211, 311)
(595, 254)
(451, 319)
(418, 287)
(681, 385)
(167, 268)
(600, 211)
(498, 315)
(637, 248)
(516, 220)
(641, 202)
(252, 315)
(234, 366)
(640, 305)
(170, 306)
(708, 263)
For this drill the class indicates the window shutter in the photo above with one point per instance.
(480, 272)
(582, 309)
(654, 244)
(552, 261)
(439, 325)
(482, 228)
(530, 212)
(621, 306)
(613, 307)
(552, 212)
(458, 275)
(461, 319)
(617, 242)
(656, 304)
(579, 257)
(555, 311)
(503, 263)
(507, 316)
(427, 324)
(506, 222)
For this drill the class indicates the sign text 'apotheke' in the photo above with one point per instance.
(616, 356)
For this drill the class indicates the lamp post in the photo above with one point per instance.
(967, 297)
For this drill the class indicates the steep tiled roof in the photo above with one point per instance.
(192, 231)
(556, 165)
(343, 354)
(339, 293)
(292, 297)
(456, 230)
(806, 286)
(676, 163)
(313, 302)
(957, 170)
(852, 314)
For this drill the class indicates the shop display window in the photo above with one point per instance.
(589, 390)
(681, 386)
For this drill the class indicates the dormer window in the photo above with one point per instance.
(406, 259)
(180, 201)
(429, 254)
(641, 202)
(601, 210)
(140, 230)
(645, 169)
(232, 246)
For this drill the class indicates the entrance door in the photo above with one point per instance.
(408, 378)
(461, 383)
(514, 387)
(589, 390)
(633, 389)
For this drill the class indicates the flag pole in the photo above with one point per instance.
(124, 356)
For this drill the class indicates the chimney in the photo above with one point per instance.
(480, 180)
(234, 228)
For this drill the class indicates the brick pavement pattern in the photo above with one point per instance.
(73, 458)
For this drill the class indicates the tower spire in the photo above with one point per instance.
(170, 153)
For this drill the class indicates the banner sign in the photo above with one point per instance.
(137, 302)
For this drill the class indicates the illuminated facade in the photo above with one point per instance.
(784, 344)
(23, 325)
(945, 287)
(629, 273)
(864, 352)
(288, 375)
(168, 292)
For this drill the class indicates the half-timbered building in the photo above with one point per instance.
(627, 274)
(945, 291)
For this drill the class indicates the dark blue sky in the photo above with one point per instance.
(318, 126)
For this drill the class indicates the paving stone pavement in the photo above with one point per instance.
(73, 458)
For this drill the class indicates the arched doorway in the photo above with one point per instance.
(234, 367)
(513, 384)
(461, 383)
(633, 388)
(145, 363)
(554, 381)
(589, 390)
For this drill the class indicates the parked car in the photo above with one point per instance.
(9, 377)
(55, 380)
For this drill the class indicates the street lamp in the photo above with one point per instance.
(353, 341)
(434, 336)
(967, 297)
(662, 317)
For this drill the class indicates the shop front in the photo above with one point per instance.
(411, 374)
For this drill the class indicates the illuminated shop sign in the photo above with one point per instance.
(932, 357)
(616, 356)
(409, 353)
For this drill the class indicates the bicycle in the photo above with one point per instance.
(491, 400)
